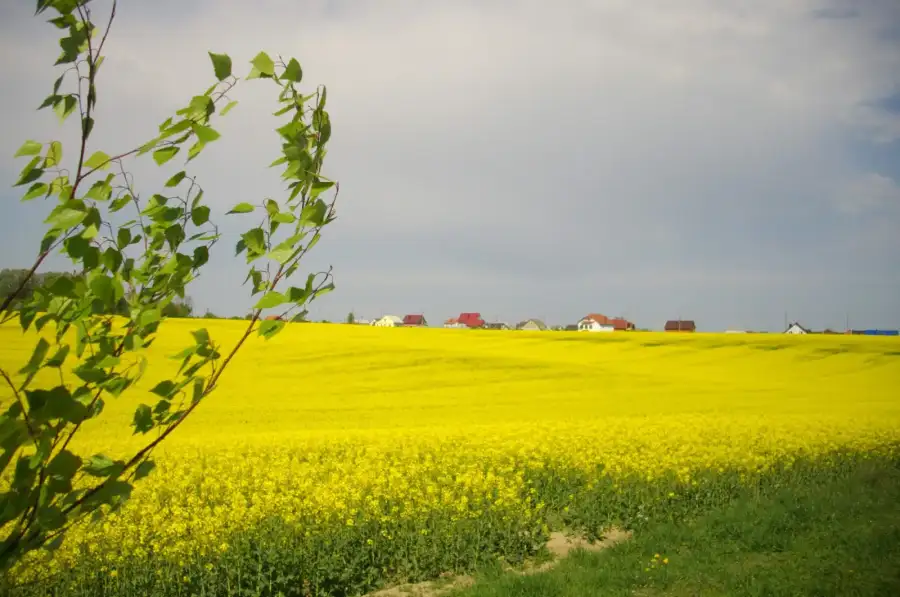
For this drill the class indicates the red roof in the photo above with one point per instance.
(414, 320)
(451, 321)
(602, 319)
(472, 320)
(620, 323)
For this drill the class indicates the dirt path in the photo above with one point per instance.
(559, 545)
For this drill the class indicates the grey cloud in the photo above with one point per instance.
(609, 156)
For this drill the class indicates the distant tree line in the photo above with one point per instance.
(10, 279)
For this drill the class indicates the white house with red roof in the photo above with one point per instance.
(594, 322)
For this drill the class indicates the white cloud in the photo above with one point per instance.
(872, 192)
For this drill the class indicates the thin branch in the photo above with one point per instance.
(21, 402)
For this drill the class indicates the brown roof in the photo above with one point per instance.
(414, 320)
(676, 325)
(273, 317)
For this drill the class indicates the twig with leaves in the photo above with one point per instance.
(93, 327)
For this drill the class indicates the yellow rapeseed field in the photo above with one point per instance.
(336, 457)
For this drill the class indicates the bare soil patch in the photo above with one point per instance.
(559, 546)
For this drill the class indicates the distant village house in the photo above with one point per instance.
(414, 321)
(532, 325)
(465, 320)
(681, 325)
(796, 328)
(388, 321)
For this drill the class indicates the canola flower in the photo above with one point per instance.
(401, 454)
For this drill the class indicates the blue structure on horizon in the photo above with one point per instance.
(878, 332)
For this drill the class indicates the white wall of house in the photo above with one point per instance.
(389, 321)
(589, 325)
(795, 329)
(531, 326)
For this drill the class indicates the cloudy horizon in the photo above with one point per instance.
(727, 162)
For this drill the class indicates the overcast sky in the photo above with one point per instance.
(722, 161)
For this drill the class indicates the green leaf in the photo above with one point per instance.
(165, 388)
(143, 469)
(201, 336)
(240, 208)
(143, 419)
(282, 254)
(270, 327)
(199, 387)
(57, 360)
(56, 403)
(314, 214)
(149, 317)
(62, 286)
(29, 148)
(284, 218)
(201, 256)
(221, 65)
(98, 159)
(99, 465)
(64, 107)
(176, 179)
(195, 149)
(271, 299)
(205, 133)
(50, 518)
(255, 240)
(163, 155)
(200, 215)
(76, 247)
(101, 286)
(37, 357)
(228, 108)
(175, 235)
(123, 238)
(30, 173)
(36, 190)
(293, 72)
(100, 190)
(64, 465)
(263, 64)
(319, 187)
(54, 155)
(119, 203)
(112, 259)
(298, 295)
